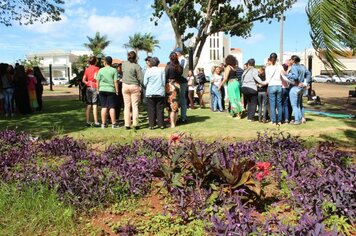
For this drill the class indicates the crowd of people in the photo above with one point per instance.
(275, 91)
(21, 90)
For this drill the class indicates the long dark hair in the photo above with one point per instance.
(38, 74)
(173, 58)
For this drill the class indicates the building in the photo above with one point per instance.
(317, 67)
(60, 60)
(216, 48)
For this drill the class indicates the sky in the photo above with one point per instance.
(119, 19)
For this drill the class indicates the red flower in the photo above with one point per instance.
(174, 139)
(259, 176)
(263, 170)
(262, 166)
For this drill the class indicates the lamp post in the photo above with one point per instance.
(310, 68)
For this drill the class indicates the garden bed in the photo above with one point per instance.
(182, 186)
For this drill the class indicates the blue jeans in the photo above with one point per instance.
(262, 106)
(8, 95)
(295, 96)
(183, 100)
(285, 104)
(216, 98)
(275, 101)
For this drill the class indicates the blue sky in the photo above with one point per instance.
(121, 19)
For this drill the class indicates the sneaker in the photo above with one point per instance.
(279, 123)
(103, 126)
(151, 128)
(162, 127)
(115, 126)
(127, 127)
(96, 125)
(87, 125)
(136, 127)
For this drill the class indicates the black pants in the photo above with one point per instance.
(251, 97)
(155, 109)
(39, 93)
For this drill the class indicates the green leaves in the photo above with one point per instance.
(139, 42)
(333, 30)
(30, 11)
(98, 43)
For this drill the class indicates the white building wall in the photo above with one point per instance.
(215, 49)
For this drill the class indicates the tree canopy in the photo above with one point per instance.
(139, 42)
(97, 44)
(202, 18)
(333, 30)
(30, 11)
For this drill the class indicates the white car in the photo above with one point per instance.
(59, 81)
(323, 79)
(344, 79)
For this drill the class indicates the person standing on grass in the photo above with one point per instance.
(91, 91)
(154, 82)
(274, 81)
(39, 86)
(262, 97)
(249, 88)
(7, 81)
(107, 87)
(201, 80)
(216, 80)
(183, 82)
(231, 77)
(31, 88)
(191, 88)
(300, 77)
(131, 89)
(21, 96)
(173, 75)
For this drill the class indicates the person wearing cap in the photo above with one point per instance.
(154, 82)
(273, 79)
(107, 87)
(183, 82)
(131, 89)
(91, 91)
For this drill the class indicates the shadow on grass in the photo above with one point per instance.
(350, 135)
(58, 117)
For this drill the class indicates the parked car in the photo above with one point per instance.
(344, 79)
(323, 79)
(59, 81)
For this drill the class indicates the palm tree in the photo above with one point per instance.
(139, 42)
(150, 43)
(333, 30)
(97, 44)
(136, 42)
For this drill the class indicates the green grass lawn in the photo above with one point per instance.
(66, 117)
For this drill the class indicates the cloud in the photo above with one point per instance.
(111, 25)
(53, 28)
